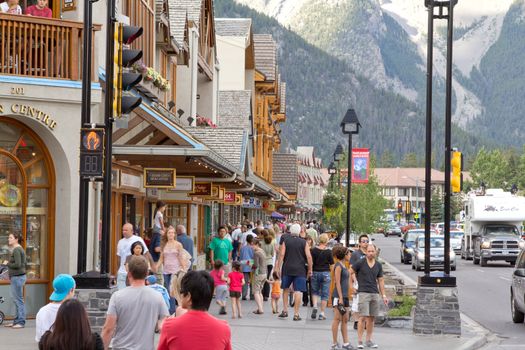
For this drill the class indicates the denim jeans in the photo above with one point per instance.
(17, 293)
(121, 280)
(173, 301)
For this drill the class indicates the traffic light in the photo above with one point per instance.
(456, 180)
(122, 79)
(399, 207)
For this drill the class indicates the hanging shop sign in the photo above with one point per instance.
(159, 177)
(229, 197)
(130, 181)
(238, 199)
(215, 193)
(201, 189)
(252, 203)
(184, 184)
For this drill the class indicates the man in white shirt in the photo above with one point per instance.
(124, 250)
(64, 289)
(248, 232)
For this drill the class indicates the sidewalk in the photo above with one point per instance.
(267, 332)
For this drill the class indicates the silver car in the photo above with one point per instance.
(437, 254)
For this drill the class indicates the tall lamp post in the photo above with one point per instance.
(350, 126)
(338, 156)
(332, 170)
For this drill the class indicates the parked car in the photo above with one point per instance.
(407, 244)
(455, 240)
(437, 254)
(393, 229)
(411, 225)
(439, 228)
(517, 290)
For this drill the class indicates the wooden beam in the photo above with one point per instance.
(141, 135)
(158, 136)
(131, 124)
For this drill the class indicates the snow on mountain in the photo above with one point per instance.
(281, 10)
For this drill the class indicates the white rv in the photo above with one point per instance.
(493, 227)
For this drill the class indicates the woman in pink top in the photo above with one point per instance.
(221, 289)
(172, 263)
(236, 281)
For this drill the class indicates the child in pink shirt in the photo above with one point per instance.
(221, 289)
(236, 281)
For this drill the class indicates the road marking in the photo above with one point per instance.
(480, 270)
(505, 278)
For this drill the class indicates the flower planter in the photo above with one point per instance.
(151, 91)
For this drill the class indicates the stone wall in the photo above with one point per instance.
(96, 302)
(437, 311)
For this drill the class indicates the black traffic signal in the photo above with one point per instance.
(124, 59)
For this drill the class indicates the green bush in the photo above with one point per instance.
(405, 308)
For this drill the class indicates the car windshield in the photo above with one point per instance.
(435, 242)
(412, 235)
(456, 234)
(501, 231)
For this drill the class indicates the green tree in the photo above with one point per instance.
(367, 206)
(436, 206)
(496, 168)
(386, 160)
(409, 161)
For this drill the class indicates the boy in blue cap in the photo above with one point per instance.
(63, 289)
(151, 281)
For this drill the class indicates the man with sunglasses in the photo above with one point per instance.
(357, 255)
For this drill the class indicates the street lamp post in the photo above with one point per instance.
(350, 126)
(338, 156)
(332, 170)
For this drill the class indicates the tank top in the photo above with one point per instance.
(276, 287)
(345, 275)
(294, 263)
(171, 260)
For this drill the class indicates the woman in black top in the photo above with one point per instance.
(71, 330)
(340, 296)
(321, 259)
(17, 274)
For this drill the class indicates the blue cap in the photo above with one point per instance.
(62, 285)
(151, 279)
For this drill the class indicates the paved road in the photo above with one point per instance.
(484, 292)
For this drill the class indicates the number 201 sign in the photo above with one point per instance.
(92, 152)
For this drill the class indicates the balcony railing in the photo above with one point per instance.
(40, 47)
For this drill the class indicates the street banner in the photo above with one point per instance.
(360, 165)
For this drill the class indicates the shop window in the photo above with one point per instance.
(176, 214)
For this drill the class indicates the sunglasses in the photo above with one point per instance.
(364, 241)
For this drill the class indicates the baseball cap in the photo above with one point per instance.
(295, 229)
(62, 285)
(151, 279)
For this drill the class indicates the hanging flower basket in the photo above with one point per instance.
(205, 122)
(149, 74)
(331, 200)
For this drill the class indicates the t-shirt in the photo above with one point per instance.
(259, 260)
(45, 318)
(321, 259)
(158, 219)
(4, 7)
(269, 251)
(195, 330)
(246, 258)
(237, 234)
(345, 275)
(235, 281)
(124, 249)
(276, 287)
(137, 309)
(367, 277)
(162, 291)
(294, 263)
(35, 11)
(221, 249)
(356, 256)
(245, 235)
(217, 277)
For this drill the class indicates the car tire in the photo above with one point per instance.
(517, 315)
(475, 260)
(483, 262)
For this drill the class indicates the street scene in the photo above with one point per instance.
(253, 174)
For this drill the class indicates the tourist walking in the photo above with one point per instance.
(63, 289)
(71, 330)
(296, 263)
(221, 248)
(259, 275)
(134, 312)
(236, 282)
(196, 329)
(16, 266)
(186, 241)
(340, 301)
(357, 255)
(246, 260)
(220, 282)
(276, 291)
(171, 260)
(269, 247)
(369, 273)
(321, 260)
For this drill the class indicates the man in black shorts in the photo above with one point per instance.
(357, 255)
(294, 257)
(369, 274)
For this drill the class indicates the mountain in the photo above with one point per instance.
(385, 41)
(321, 87)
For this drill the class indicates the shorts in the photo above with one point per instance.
(346, 302)
(258, 283)
(221, 292)
(368, 304)
(299, 283)
(276, 296)
(321, 284)
(234, 294)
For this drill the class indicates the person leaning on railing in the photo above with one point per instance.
(11, 7)
(40, 9)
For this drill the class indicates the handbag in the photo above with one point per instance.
(342, 309)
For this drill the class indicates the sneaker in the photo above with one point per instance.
(223, 311)
(314, 314)
(321, 317)
(18, 326)
(360, 346)
(371, 344)
(335, 347)
(347, 347)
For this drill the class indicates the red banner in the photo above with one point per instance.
(360, 165)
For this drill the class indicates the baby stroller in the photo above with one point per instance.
(3, 276)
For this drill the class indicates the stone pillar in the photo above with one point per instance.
(96, 302)
(437, 311)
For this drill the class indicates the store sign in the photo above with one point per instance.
(152, 192)
(201, 189)
(184, 184)
(129, 180)
(159, 177)
(238, 199)
(229, 197)
(31, 112)
(91, 152)
(252, 203)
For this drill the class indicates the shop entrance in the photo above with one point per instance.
(27, 205)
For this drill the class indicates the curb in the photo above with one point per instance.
(482, 334)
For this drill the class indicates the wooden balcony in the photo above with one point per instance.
(41, 47)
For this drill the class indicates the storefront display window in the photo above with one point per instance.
(176, 214)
